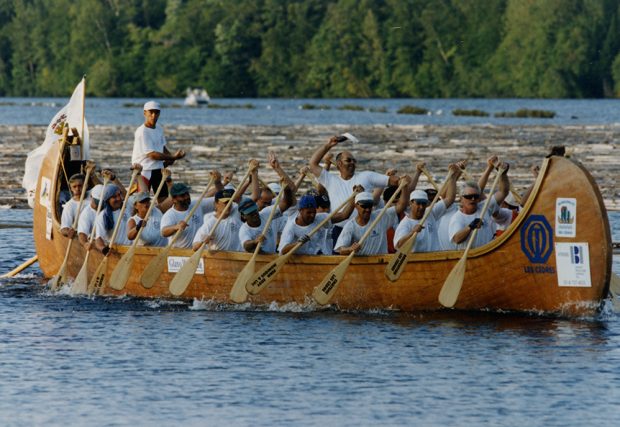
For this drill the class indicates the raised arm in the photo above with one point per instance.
(346, 212)
(504, 184)
(403, 199)
(315, 160)
(450, 188)
(491, 163)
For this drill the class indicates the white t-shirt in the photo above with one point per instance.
(106, 235)
(271, 237)
(427, 240)
(339, 189)
(226, 237)
(147, 140)
(443, 229)
(376, 242)
(87, 220)
(292, 232)
(151, 233)
(69, 211)
(173, 217)
(485, 233)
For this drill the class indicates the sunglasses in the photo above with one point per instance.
(347, 160)
(471, 196)
(365, 205)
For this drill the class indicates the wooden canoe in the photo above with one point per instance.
(537, 265)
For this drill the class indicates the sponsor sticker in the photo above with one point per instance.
(75, 152)
(49, 224)
(44, 195)
(565, 217)
(176, 262)
(573, 264)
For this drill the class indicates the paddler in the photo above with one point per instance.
(340, 187)
(355, 228)
(427, 239)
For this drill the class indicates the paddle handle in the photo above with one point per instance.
(148, 212)
(191, 212)
(430, 179)
(134, 174)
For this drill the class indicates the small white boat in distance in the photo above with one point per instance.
(196, 97)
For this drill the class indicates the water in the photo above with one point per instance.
(283, 112)
(121, 361)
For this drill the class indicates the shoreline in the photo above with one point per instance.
(229, 147)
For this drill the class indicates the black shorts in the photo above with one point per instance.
(156, 178)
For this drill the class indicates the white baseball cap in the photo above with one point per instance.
(418, 195)
(95, 192)
(152, 105)
(364, 196)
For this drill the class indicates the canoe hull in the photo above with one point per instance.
(517, 271)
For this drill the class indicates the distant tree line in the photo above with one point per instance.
(312, 48)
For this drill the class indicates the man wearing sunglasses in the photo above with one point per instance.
(354, 229)
(340, 186)
(467, 218)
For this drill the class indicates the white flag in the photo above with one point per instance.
(70, 115)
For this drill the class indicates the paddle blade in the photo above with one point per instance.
(55, 282)
(96, 283)
(452, 286)
(154, 269)
(184, 276)
(238, 293)
(265, 275)
(121, 272)
(399, 260)
(80, 284)
(324, 292)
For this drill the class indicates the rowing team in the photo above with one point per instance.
(352, 200)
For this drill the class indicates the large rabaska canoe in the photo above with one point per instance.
(555, 258)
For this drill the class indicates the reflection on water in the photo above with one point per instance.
(121, 361)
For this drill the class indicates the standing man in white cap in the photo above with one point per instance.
(149, 150)
(427, 239)
(354, 229)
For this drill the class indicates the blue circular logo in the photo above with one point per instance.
(537, 239)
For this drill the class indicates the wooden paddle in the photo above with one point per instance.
(265, 275)
(119, 276)
(397, 263)
(97, 283)
(238, 292)
(452, 286)
(61, 276)
(154, 268)
(22, 267)
(184, 276)
(430, 179)
(327, 288)
(80, 283)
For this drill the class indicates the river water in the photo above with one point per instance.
(68, 360)
(120, 361)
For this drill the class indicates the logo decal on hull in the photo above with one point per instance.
(537, 239)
